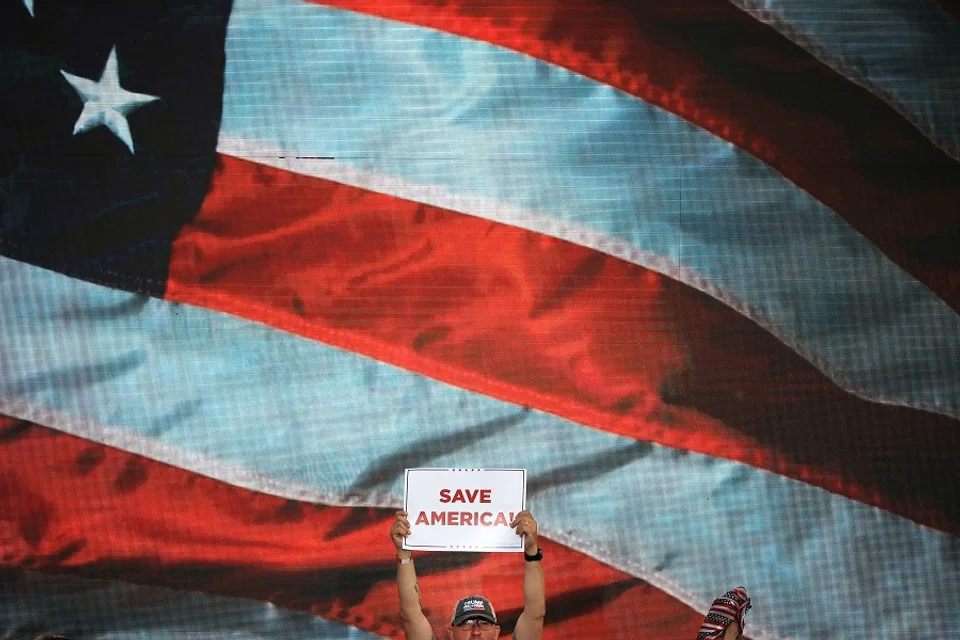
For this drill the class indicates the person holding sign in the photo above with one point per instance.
(472, 616)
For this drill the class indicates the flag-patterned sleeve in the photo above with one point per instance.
(724, 611)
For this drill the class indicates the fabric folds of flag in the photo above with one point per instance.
(692, 266)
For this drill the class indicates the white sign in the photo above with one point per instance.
(464, 509)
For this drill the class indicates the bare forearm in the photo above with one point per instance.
(409, 590)
(534, 590)
(415, 624)
(530, 622)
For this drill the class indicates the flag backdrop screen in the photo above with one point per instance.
(694, 265)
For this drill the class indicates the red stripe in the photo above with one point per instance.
(548, 324)
(717, 67)
(71, 506)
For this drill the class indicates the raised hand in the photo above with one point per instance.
(526, 524)
(399, 530)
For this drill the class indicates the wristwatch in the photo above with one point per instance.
(535, 557)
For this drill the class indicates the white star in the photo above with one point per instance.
(29, 5)
(106, 102)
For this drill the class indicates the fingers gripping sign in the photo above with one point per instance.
(526, 525)
(399, 530)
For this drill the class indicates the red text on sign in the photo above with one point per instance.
(465, 495)
(465, 518)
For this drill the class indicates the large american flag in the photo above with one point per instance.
(692, 264)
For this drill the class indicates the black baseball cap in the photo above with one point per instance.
(472, 607)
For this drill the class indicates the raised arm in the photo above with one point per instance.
(724, 620)
(415, 624)
(530, 624)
